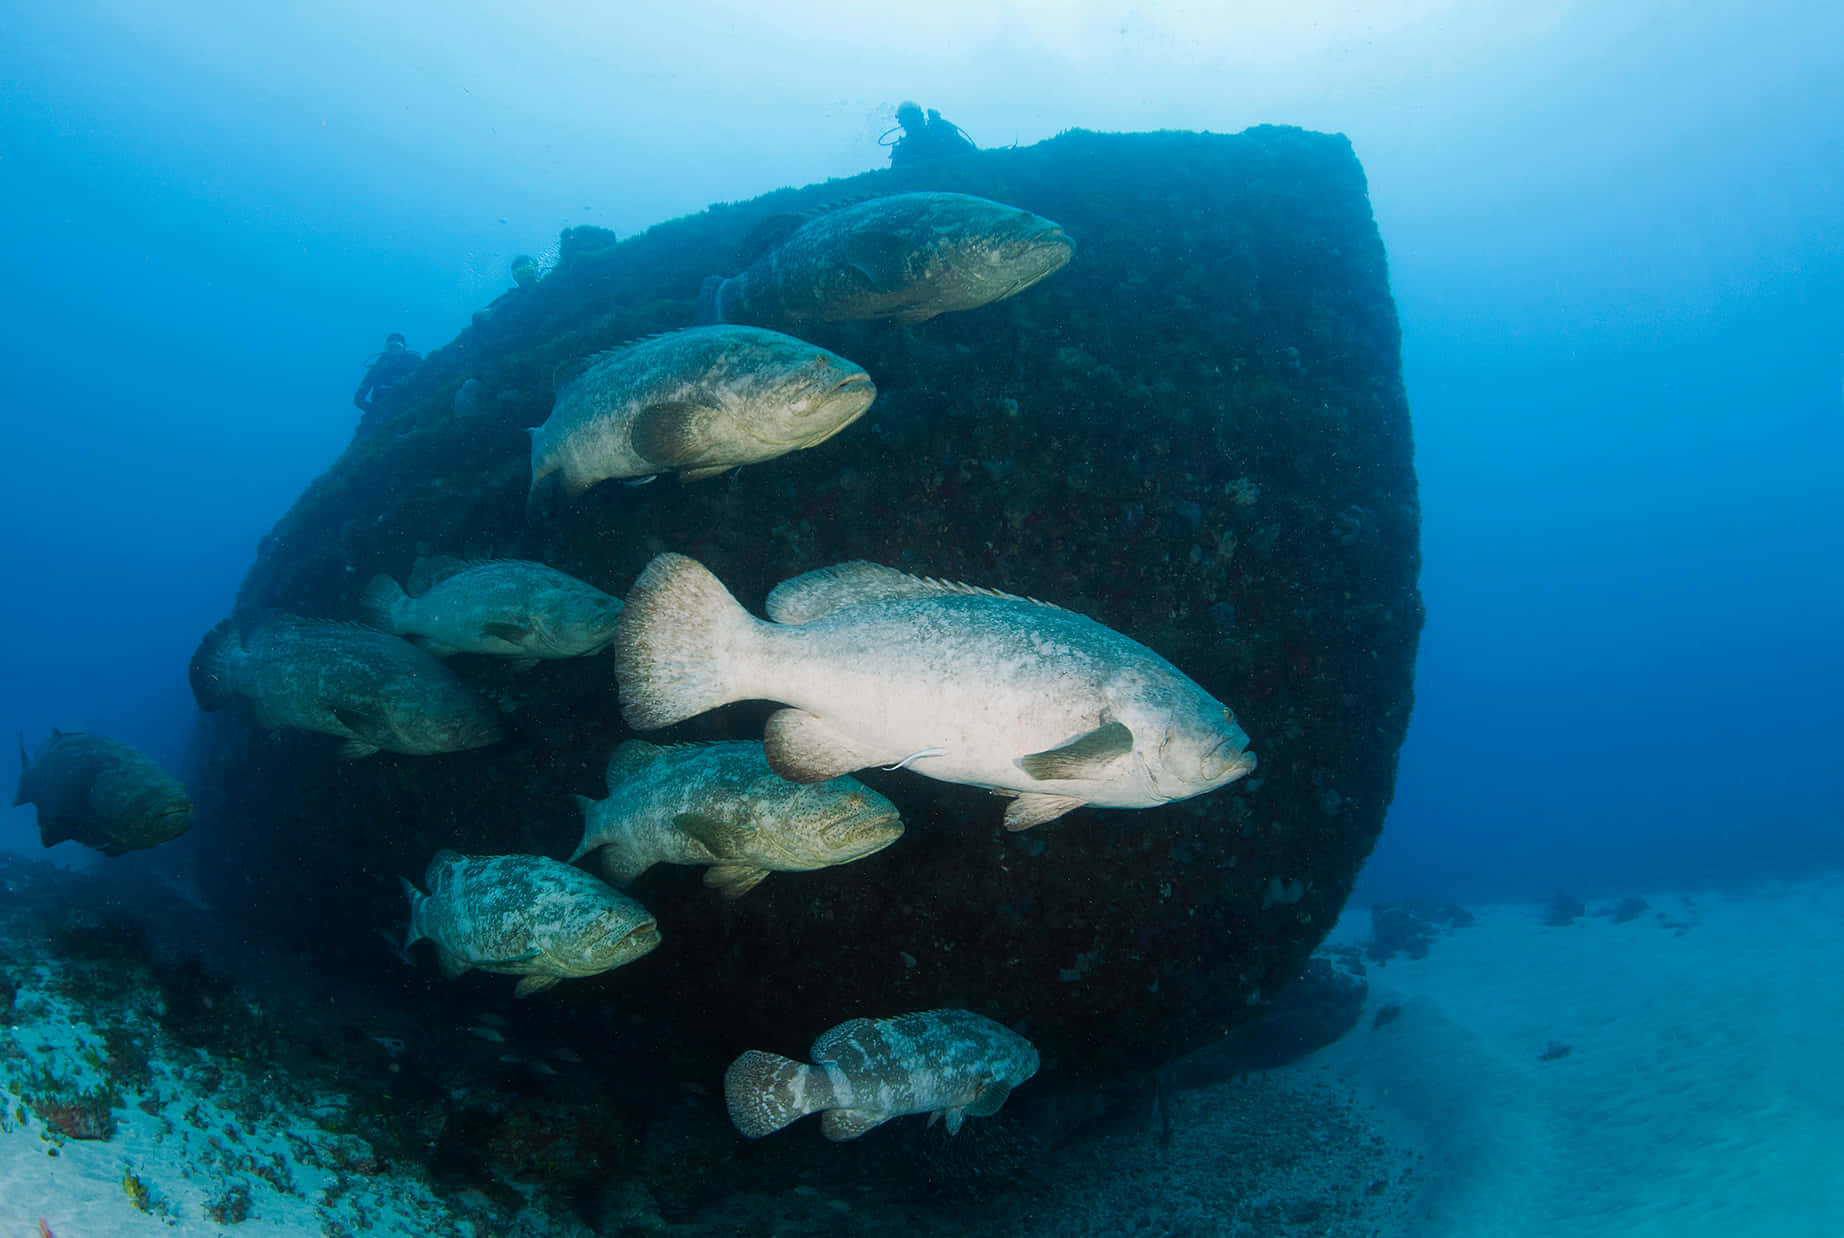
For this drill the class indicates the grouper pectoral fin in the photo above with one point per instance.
(879, 257)
(709, 470)
(990, 1099)
(803, 748)
(1033, 808)
(723, 839)
(533, 984)
(511, 633)
(1090, 755)
(734, 880)
(355, 749)
(673, 433)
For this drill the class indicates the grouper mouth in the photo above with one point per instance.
(863, 833)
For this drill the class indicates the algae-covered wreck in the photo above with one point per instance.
(1195, 433)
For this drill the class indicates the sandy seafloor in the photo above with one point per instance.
(1678, 1073)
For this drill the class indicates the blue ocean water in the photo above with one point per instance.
(1614, 244)
(1612, 239)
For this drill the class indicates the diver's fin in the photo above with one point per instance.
(672, 433)
(803, 748)
(734, 880)
(533, 984)
(1090, 755)
(721, 838)
(879, 257)
(1032, 809)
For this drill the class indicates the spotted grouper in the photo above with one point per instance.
(946, 1063)
(525, 915)
(963, 684)
(906, 256)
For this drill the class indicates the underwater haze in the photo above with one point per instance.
(1585, 983)
(1613, 240)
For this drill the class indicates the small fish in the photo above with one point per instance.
(695, 402)
(102, 793)
(525, 915)
(945, 1063)
(907, 256)
(489, 1034)
(720, 805)
(373, 690)
(959, 683)
(511, 607)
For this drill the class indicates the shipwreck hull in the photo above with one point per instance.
(1195, 433)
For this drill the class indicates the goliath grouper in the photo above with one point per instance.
(959, 683)
(102, 793)
(373, 690)
(525, 915)
(945, 1063)
(908, 256)
(720, 805)
(512, 607)
(695, 402)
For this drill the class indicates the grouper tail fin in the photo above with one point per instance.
(411, 932)
(210, 671)
(20, 796)
(378, 603)
(711, 301)
(680, 635)
(765, 1091)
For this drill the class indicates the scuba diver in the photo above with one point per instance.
(926, 138)
(382, 371)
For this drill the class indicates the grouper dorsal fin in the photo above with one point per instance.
(826, 1048)
(431, 570)
(1089, 755)
(821, 592)
(629, 756)
(570, 369)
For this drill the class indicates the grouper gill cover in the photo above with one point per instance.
(1195, 433)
